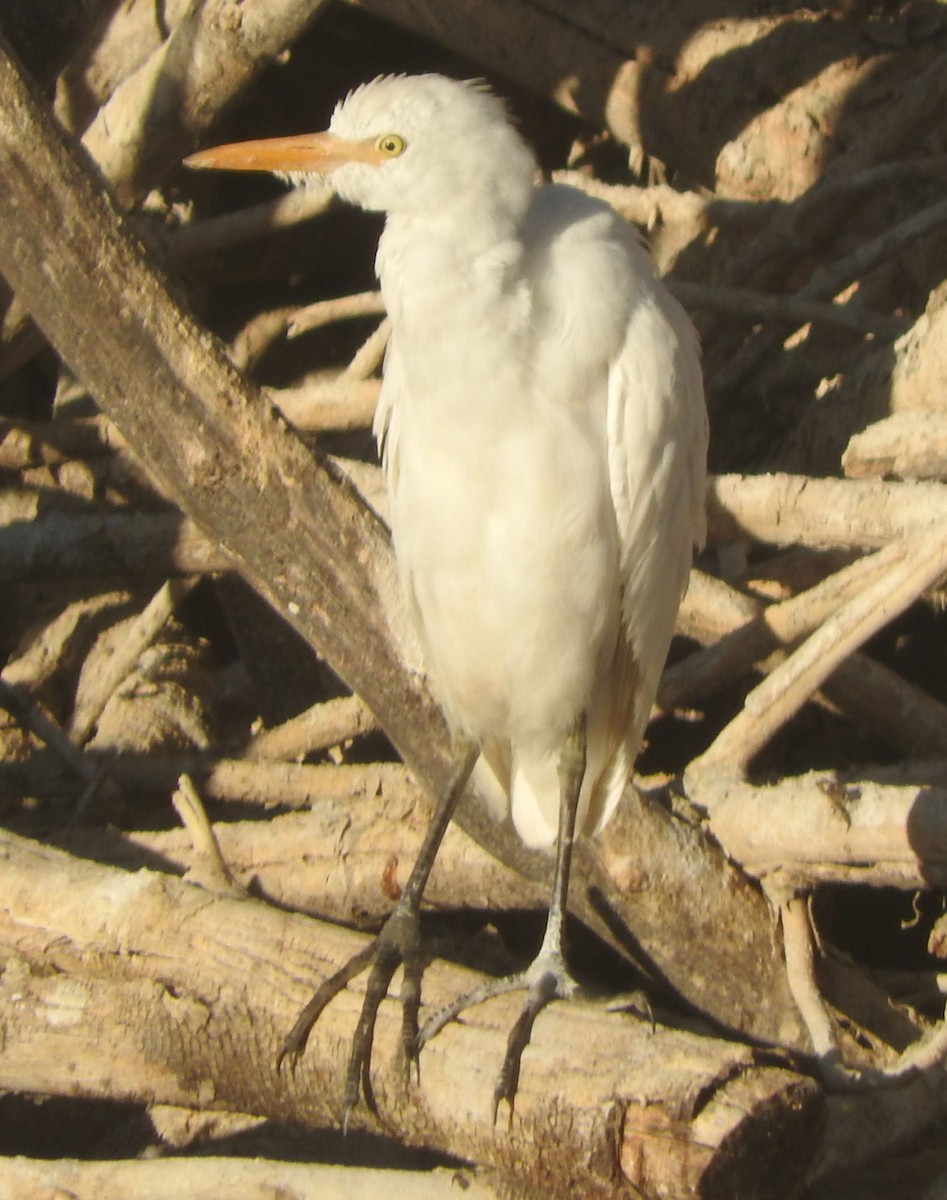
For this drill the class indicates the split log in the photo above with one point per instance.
(197, 990)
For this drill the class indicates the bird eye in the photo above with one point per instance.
(391, 145)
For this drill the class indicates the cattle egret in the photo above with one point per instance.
(544, 437)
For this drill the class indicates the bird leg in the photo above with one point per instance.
(398, 941)
(547, 978)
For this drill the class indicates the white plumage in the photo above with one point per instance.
(545, 440)
(544, 436)
(543, 426)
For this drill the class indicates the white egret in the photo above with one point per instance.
(544, 436)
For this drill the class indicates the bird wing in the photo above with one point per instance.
(657, 435)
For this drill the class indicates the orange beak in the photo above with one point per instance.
(308, 153)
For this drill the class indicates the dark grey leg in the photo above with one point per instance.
(547, 977)
(399, 941)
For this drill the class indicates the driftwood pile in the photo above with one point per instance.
(790, 170)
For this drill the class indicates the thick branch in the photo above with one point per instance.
(196, 992)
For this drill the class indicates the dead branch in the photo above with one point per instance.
(131, 33)
(137, 639)
(786, 510)
(33, 443)
(766, 306)
(827, 282)
(197, 989)
(344, 402)
(915, 564)
(821, 829)
(327, 724)
(206, 62)
(816, 215)
(105, 544)
(208, 867)
(346, 859)
(907, 445)
(206, 1178)
(740, 633)
(232, 229)
(364, 304)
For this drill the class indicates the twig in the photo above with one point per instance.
(917, 563)
(368, 357)
(340, 403)
(233, 229)
(137, 639)
(326, 724)
(826, 283)
(342, 308)
(800, 967)
(767, 305)
(208, 866)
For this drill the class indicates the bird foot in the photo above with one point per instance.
(398, 942)
(544, 980)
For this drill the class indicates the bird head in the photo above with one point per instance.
(414, 145)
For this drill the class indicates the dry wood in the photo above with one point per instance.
(346, 859)
(914, 565)
(341, 403)
(364, 304)
(105, 545)
(327, 724)
(740, 633)
(816, 215)
(766, 306)
(210, 57)
(234, 228)
(819, 828)
(118, 43)
(249, 1179)
(907, 445)
(928, 1053)
(301, 535)
(155, 115)
(208, 867)
(31, 443)
(195, 990)
(137, 639)
(827, 282)
(786, 510)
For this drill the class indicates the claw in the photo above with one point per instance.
(545, 980)
(398, 942)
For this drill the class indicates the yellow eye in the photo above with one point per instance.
(391, 145)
